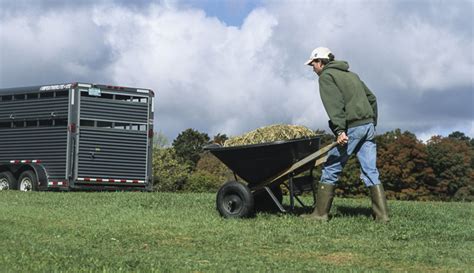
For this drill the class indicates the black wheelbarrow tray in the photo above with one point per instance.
(265, 168)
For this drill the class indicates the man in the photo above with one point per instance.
(352, 109)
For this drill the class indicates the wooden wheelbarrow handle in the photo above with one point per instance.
(326, 150)
(305, 161)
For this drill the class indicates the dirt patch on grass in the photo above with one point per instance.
(336, 258)
(339, 258)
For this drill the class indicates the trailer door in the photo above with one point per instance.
(113, 138)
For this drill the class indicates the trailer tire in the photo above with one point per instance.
(28, 181)
(235, 200)
(7, 181)
(265, 203)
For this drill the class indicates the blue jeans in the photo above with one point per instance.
(361, 142)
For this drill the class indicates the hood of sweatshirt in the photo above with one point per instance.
(340, 65)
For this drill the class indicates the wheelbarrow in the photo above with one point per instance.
(260, 171)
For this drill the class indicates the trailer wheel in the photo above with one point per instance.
(28, 181)
(265, 203)
(235, 200)
(7, 181)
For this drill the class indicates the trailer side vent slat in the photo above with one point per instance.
(109, 157)
(45, 143)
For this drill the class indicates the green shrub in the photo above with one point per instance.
(209, 163)
(202, 181)
(464, 194)
(170, 174)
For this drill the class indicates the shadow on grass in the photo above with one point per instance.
(273, 209)
(346, 211)
(338, 211)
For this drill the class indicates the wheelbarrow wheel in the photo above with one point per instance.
(265, 203)
(235, 200)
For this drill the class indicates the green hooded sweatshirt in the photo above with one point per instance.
(347, 100)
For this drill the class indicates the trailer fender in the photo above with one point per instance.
(41, 174)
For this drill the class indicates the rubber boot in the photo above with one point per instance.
(324, 199)
(379, 203)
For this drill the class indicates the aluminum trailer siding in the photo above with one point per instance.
(76, 136)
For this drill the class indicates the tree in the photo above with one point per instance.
(470, 142)
(450, 159)
(169, 173)
(189, 145)
(460, 136)
(220, 139)
(402, 161)
(211, 164)
(326, 138)
(160, 140)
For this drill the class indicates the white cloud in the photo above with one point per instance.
(388, 47)
(404, 57)
(213, 77)
(223, 79)
(50, 46)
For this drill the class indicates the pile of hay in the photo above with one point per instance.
(269, 134)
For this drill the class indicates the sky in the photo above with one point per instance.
(232, 66)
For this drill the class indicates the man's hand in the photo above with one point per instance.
(342, 139)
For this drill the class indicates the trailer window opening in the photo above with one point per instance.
(63, 93)
(138, 127)
(32, 96)
(87, 123)
(18, 124)
(60, 122)
(104, 124)
(7, 98)
(46, 95)
(139, 99)
(31, 123)
(117, 97)
(4, 125)
(113, 125)
(45, 123)
(84, 94)
(107, 96)
(121, 126)
(35, 96)
(19, 97)
(123, 98)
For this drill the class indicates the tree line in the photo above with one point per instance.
(410, 169)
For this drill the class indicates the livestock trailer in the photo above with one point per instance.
(76, 136)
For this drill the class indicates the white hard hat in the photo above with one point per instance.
(319, 53)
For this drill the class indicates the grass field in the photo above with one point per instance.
(142, 232)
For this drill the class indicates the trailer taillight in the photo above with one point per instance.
(72, 128)
(150, 133)
(115, 87)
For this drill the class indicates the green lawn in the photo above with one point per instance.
(142, 232)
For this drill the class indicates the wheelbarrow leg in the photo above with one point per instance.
(313, 188)
(292, 194)
(275, 200)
